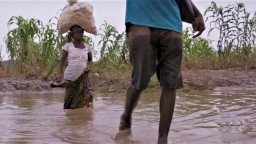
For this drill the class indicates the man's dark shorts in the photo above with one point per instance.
(155, 50)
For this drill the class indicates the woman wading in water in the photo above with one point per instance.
(78, 88)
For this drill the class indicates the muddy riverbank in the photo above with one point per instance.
(193, 79)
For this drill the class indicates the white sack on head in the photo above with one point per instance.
(80, 13)
(71, 2)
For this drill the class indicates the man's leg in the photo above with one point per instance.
(143, 60)
(169, 75)
(167, 104)
(132, 98)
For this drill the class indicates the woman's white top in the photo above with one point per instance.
(77, 60)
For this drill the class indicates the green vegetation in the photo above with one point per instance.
(35, 47)
(113, 48)
(237, 33)
(236, 29)
(32, 46)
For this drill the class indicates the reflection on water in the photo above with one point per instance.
(226, 116)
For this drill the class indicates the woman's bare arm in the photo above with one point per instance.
(89, 62)
(62, 60)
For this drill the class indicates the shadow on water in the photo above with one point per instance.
(225, 116)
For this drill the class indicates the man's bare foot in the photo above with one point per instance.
(162, 140)
(122, 134)
(125, 123)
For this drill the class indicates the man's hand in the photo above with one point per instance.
(198, 26)
(198, 23)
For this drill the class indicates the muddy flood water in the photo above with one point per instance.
(225, 116)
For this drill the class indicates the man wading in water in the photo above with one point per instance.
(154, 36)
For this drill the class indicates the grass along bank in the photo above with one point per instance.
(34, 48)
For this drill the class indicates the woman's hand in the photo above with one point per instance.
(87, 69)
(58, 77)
